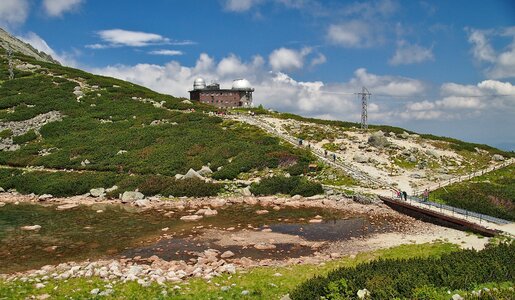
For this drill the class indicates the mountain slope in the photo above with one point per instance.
(7, 41)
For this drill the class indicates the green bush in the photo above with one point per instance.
(411, 278)
(6, 133)
(294, 185)
(26, 137)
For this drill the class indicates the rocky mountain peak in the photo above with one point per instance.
(7, 41)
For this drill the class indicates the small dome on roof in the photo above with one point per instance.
(241, 84)
(199, 84)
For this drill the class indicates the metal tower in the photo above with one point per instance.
(365, 96)
(11, 64)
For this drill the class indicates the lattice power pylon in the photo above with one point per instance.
(365, 96)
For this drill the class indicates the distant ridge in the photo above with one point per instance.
(7, 41)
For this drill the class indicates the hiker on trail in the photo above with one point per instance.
(426, 195)
(334, 157)
(399, 195)
(405, 195)
(325, 153)
(300, 142)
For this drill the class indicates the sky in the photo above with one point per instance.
(440, 67)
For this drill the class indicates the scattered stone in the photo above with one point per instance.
(98, 192)
(362, 294)
(192, 218)
(404, 135)
(67, 206)
(227, 254)
(2, 204)
(205, 170)
(94, 292)
(264, 246)
(278, 275)
(31, 228)
(296, 197)
(315, 221)
(378, 140)
(121, 152)
(192, 174)
(261, 212)
(186, 102)
(45, 197)
(246, 192)
(39, 285)
(85, 162)
(245, 292)
(498, 157)
(457, 297)
(142, 203)
(131, 196)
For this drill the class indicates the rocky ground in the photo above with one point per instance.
(213, 262)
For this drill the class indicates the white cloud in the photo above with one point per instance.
(319, 60)
(40, 44)
(284, 59)
(354, 34)
(410, 54)
(121, 37)
(462, 101)
(13, 12)
(166, 52)
(501, 64)
(240, 5)
(387, 85)
(56, 8)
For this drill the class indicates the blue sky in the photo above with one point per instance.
(442, 67)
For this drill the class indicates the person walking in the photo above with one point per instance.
(405, 195)
(325, 153)
(334, 157)
(426, 195)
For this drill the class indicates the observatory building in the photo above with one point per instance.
(240, 95)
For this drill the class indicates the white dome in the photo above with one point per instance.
(241, 84)
(199, 84)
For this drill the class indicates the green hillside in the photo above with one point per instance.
(119, 133)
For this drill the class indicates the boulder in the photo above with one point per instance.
(412, 159)
(178, 176)
(31, 228)
(186, 102)
(378, 140)
(362, 294)
(111, 189)
(192, 218)
(45, 197)
(67, 206)
(205, 170)
(131, 196)
(261, 212)
(246, 192)
(404, 135)
(227, 254)
(432, 153)
(98, 192)
(360, 158)
(142, 203)
(264, 246)
(497, 157)
(191, 174)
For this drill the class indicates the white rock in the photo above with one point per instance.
(497, 157)
(227, 254)
(191, 218)
(205, 170)
(98, 192)
(261, 212)
(45, 197)
(142, 203)
(67, 206)
(362, 294)
(31, 228)
(39, 285)
(457, 297)
(131, 196)
(191, 174)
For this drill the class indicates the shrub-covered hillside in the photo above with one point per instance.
(62, 118)
(492, 194)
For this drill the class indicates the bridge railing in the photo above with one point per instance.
(458, 211)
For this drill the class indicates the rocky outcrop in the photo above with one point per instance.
(131, 196)
(378, 140)
(8, 41)
(22, 127)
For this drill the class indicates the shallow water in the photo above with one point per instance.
(82, 233)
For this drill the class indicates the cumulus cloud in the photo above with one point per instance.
(56, 8)
(500, 64)
(13, 12)
(461, 101)
(410, 54)
(166, 52)
(354, 34)
(65, 58)
(274, 88)
(319, 60)
(288, 59)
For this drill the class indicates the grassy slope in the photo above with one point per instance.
(492, 194)
(260, 282)
(195, 140)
